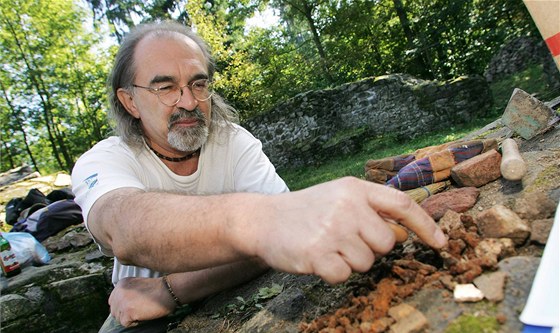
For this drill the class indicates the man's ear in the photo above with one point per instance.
(126, 99)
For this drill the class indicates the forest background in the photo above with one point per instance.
(56, 56)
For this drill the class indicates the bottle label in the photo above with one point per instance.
(9, 261)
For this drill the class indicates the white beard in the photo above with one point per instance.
(188, 139)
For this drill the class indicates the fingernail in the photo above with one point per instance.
(440, 238)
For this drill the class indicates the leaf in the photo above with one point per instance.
(270, 292)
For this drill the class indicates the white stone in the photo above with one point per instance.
(467, 293)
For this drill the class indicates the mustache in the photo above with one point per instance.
(182, 114)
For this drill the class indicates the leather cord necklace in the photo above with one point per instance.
(175, 159)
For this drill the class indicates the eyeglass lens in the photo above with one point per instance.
(171, 95)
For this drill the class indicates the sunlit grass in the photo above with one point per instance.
(531, 80)
(374, 148)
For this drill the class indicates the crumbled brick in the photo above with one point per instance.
(479, 170)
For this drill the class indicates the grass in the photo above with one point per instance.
(530, 80)
(375, 148)
(481, 317)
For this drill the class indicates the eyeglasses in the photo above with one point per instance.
(171, 94)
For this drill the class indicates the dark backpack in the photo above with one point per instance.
(63, 193)
(51, 219)
(17, 205)
(12, 211)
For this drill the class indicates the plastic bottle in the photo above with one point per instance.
(8, 260)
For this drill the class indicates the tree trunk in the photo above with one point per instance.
(9, 154)
(307, 12)
(36, 81)
(419, 63)
(20, 128)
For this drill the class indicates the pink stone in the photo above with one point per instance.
(535, 206)
(540, 229)
(492, 285)
(451, 221)
(409, 319)
(458, 200)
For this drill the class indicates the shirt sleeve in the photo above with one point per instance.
(253, 170)
(106, 167)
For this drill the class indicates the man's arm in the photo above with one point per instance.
(167, 232)
(140, 299)
(328, 230)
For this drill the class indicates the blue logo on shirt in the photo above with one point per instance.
(91, 181)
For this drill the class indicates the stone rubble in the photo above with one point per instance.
(501, 222)
(492, 285)
(467, 293)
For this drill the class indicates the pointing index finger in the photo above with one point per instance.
(394, 204)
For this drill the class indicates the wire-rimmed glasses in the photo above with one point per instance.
(170, 94)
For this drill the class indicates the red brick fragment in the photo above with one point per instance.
(458, 200)
(479, 170)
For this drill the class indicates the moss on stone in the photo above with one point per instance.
(480, 318)
(473, 323)
(545, 178)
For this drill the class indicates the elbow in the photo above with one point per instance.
(123, 253)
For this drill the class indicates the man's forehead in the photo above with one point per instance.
(171, 35)
(161, 48)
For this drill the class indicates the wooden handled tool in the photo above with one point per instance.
(401, 234)
(513, 166)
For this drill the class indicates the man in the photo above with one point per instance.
(188, 203)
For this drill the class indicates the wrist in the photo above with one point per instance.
(244, 223)
(167, 285)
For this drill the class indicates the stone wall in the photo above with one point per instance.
(315, 125)
(517, 55)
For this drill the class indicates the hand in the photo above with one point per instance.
(139, 299)
(338, 227)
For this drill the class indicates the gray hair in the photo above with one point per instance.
(123, 74)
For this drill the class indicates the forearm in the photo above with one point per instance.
(175, 233)
(193, 286)
(139, 299)
(329, 229)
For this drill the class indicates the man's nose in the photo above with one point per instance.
(187, 100)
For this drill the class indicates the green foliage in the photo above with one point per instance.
(245, 307)
(53, 91)
(266, 293)
(358, 39)
(532, 80)
(120, 15)
(52, 98)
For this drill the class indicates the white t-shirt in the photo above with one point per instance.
(231, 161)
